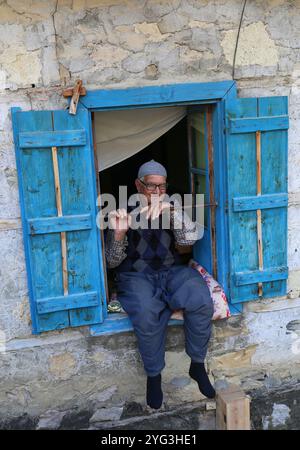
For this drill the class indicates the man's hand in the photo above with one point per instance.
(155, 209)
(120, 222)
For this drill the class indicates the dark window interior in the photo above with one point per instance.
(170, 150)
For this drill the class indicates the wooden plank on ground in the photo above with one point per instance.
(232, 409)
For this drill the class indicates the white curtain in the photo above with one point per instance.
(121, 134)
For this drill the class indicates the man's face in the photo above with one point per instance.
(149, 186)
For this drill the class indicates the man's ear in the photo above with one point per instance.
(137, 185)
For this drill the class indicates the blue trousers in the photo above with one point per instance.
(149, 299)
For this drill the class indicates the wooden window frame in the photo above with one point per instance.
(188, 94)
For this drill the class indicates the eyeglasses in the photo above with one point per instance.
(151, 187)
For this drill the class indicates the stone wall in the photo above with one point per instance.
(71, 379)
(45, 45)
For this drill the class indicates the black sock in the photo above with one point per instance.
(198, 373)
(154, 392)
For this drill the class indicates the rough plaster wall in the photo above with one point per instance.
(63, 371)
(111, 42)
(46, 45)
(72, 370)
(136, 42)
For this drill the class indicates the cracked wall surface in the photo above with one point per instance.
(47, 45)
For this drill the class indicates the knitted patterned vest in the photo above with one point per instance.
(150, 250)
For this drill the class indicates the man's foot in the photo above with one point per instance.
(154, 392)
(198, 373)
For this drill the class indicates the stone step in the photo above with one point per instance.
(195, 416)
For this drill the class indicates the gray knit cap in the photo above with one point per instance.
(152, 168)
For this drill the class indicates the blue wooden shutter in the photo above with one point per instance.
(66, 291)
(257, 217)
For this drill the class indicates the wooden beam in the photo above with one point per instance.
(258, 212)
(75, 93)
(75, 97)
(252, 124)
(260, 276)
(69, 92)
(59, 213)
(232, 409)
(46, 139)
(72, 301)
(254, 202)
(76, 222)
(157, 95)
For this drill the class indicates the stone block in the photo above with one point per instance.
(50, 69)
(76, 419)
(80, 63)
(172, 22)
(205, 39)
(51, 420)
(135, 63)
(35, 8)
(150, 31)
(22, 68)
(163, 55)
(13, 273)
(9, 15)
(152, 72)
(231, 360)
(107, 414)
(180, 382)
(132, 41)
(62, 366)
(155, 9)
(128, 14)
(108, 55)
(255, 46)
(203, 10)
(106, 394)
(32, 38)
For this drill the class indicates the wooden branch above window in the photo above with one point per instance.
(75, 93)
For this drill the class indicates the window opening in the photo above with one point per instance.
(183, 150)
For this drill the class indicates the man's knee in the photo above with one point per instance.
(152, 321)
(182, 277)
(195, 295)
(144, 321)
(144, 327)
(203, 299)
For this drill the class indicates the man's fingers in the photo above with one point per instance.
(166, 205)
(149, 212)
(144, 209)
(121, 213)
(155, 212)
(155, 209)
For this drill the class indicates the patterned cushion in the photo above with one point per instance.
(221, 308)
